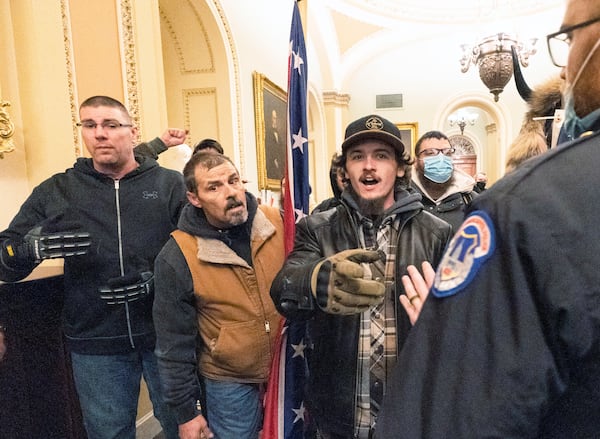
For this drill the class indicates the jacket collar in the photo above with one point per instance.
(461, 182)
(215, 250)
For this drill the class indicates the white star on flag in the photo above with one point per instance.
(299, 349)
(299, 413)
(299, 141)
(299, 214)
(298, 61)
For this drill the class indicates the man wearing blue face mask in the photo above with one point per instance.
(446, 190)
(579, 118)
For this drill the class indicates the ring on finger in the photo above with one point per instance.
(410, 299)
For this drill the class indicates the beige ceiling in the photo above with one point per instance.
(350, 31)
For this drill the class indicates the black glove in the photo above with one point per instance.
(52, 238)
(128, 288)
(339, 286)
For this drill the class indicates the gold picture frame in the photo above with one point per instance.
(409, 132)
(270, 108)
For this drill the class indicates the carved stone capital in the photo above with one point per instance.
(333, 97)
(7, 129)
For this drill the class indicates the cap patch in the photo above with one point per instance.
(374, 123)
(470, 247)
(372, 127)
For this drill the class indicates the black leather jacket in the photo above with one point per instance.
(331, 388)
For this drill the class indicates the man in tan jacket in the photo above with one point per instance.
(213, 314)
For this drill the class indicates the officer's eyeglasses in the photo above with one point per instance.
(432, 152)
(559, 42)
(109, 125)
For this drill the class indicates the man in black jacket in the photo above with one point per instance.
(342, 276)
(508, 343)
(108, 217)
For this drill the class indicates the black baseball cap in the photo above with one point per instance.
(373, 127)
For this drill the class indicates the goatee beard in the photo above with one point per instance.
(239, 218)
(366, 207)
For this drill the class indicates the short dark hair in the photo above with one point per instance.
(208, 143)
(429, 135)
(335, 164)
(205, 159)
(105, 101)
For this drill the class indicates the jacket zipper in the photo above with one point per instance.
(267, 323)
(121, 260)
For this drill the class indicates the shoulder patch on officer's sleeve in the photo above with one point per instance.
(474, 242)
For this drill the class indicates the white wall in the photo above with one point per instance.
(260, 31)
(427, 72)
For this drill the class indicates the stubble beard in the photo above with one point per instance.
(239, 218)
(236, 218)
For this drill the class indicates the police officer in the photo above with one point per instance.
(508, 343)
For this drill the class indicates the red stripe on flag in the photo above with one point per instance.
(273, 422)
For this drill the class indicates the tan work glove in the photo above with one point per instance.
(338, 283)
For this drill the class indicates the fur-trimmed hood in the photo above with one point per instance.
(535, 136)
(545, 98)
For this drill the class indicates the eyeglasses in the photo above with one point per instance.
(432, 152)
(559, 42)
(109, 125)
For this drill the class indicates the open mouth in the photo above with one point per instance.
(234, 204)
(369, 180)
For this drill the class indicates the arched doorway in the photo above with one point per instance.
(465, 156)
(488, 135)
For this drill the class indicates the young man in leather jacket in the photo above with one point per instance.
(343, 278)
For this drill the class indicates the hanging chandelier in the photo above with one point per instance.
(462, 119)
(494, 59)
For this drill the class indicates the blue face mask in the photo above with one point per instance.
(438, 169)
(574, 126)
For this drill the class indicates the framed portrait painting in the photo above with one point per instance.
(270, 108)
(409, 132)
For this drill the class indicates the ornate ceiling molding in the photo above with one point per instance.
(443, 11)
(335, 98)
